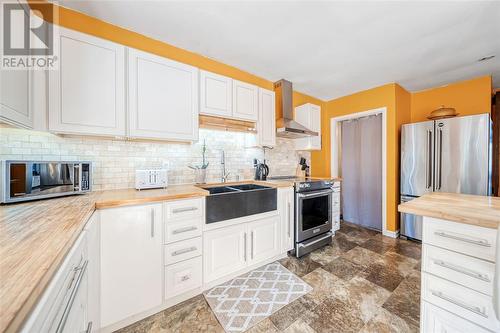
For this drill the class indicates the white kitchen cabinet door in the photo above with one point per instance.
(15, 93)
(309, 115)
(287, 204)
(94, 271)
(224, 251)
(216, 95)
(15, 100)
(437, 320)
(87, 93)
(316, 127)
(131, 261)
(245, 101)
(263, 239)
(163, 98)
(266, 125)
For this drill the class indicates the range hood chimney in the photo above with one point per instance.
(286, 127)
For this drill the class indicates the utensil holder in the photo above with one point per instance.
(201, 176)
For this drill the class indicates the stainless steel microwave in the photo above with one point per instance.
(32, 180)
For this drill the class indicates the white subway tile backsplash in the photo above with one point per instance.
(115, 161)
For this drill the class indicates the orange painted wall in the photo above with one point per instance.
(467, 97)
(384, 96)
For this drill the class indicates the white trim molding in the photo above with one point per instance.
(334, 165)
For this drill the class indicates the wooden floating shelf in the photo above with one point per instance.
(225, 124)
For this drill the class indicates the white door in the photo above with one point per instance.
(245, 101)
(87, 93)
(287, 204)
(131, 261)
(216, 94)
(224, 251)
(266, 126)
(163, 98)
(263, 239)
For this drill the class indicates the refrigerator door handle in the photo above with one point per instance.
(439, 159)
(428, 170)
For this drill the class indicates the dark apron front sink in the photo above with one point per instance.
(233, 201)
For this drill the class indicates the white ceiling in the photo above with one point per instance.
(327, 49)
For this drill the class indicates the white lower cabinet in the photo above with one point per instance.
(94, 271)
(63, 306)
(224, 251)
(230, 249)
(183, 276)
(437, 320)
(264, 240)
(286, 204)
(131, 261)
(458, 262)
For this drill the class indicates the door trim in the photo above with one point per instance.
(335, 156)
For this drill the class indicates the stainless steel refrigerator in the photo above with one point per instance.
(446, 155)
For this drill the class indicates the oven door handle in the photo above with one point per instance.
(314, 194)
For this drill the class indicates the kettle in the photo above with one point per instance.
(261, 170)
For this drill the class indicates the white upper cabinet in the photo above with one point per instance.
(245, 101)
(216, 95)
(15, 101)
(309, 115)
(266, 126)
(87, 93)
(163, 98)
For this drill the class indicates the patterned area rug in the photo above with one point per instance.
(244, 301)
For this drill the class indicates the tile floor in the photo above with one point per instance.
(363, 282)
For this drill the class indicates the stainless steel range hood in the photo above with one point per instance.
(286, 127)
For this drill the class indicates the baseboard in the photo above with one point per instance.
(392, 234)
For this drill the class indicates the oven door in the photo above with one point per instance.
(314, 214)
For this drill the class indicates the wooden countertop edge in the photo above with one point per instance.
(34, 297)
(157, 198)
(407, 208)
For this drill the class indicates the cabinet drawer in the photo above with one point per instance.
(182, 250)
(471, 240)
(182, 277)
(474, 273)
(184, 209)
(437, 320)
(464, 302)
(183, 229)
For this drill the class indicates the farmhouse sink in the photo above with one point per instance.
(234, 201)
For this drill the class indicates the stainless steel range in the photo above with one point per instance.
(313, 213)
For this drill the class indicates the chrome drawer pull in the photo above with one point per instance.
(72, 296)
(181, 230)
(89, 328)
(179, 252)
(465, 271)
(182, 210)
(480, 242)
(475, 309)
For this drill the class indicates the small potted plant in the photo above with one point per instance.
(201, 170)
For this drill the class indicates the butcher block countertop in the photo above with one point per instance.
(469, 209)
(35, 237)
